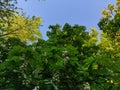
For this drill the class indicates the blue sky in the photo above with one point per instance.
(82, 12)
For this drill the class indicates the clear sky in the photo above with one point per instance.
(82, 12)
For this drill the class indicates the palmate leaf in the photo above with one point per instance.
(87, 62)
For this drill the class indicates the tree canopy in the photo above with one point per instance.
(13, 24)
(70, 59)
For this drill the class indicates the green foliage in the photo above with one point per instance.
(13, 24)
(20, 68)
(71, 58)
(61, 55)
